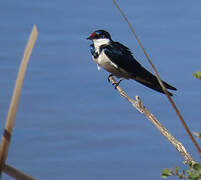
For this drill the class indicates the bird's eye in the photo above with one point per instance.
(101, 35)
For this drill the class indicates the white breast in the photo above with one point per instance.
(103, 61)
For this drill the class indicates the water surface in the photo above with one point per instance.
(71, 123)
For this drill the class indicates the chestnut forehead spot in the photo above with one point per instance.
(93, 35)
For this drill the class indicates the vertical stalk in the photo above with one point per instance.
(6, 138)
(159, 80)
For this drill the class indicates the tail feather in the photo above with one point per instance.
(148, 79)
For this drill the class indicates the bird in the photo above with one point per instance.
(118, 60)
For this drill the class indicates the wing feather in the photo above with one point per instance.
(122, 57)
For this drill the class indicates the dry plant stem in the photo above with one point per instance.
(160, 81)
(16, 174)
(6, 138)
(141, 108)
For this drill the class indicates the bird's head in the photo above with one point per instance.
(99, 34)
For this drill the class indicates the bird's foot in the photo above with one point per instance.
(108, 78)
(117, 84)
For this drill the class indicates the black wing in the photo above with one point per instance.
(122, 57)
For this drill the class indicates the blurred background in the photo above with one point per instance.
(71, 123)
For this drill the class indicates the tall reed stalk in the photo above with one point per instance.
(159, 80)
(6, 138)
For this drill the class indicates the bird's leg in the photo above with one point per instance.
(108, 78)
(115, 84)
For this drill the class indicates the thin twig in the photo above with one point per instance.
(138, 104)
(6, 138)
(160, 81)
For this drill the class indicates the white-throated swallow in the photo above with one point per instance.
(118, 60)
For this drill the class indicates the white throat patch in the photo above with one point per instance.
(100, 42)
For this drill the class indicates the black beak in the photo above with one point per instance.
(88, 38)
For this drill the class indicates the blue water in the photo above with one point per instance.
(71, 123)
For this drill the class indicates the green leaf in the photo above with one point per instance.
(193, 175)
(197, 168)
(197, 75)
(166, 173)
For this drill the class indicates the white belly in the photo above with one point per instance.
(103, 61)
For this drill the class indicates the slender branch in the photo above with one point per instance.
(160, 81)
(141, 108)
